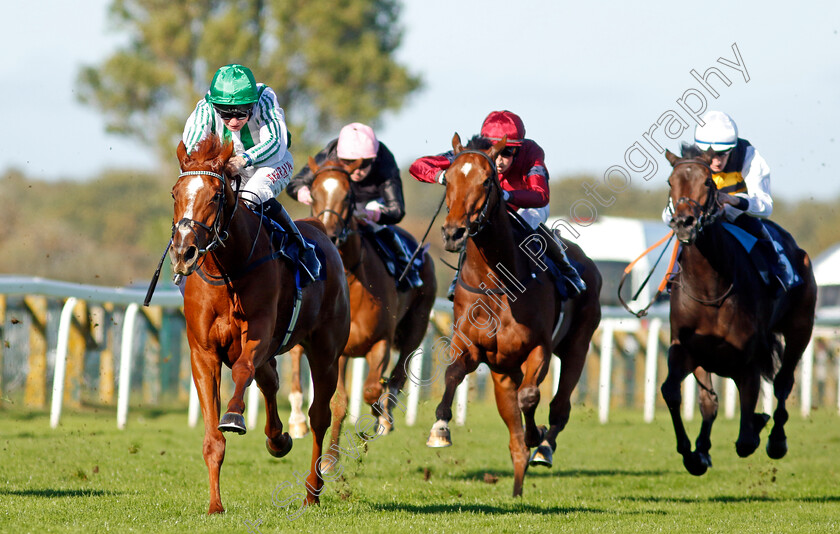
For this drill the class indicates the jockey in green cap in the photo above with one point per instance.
(246, 113)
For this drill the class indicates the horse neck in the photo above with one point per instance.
(494, 245)
(236, 249)
(351, 252)
(699, 268)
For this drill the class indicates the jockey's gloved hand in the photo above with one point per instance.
(304, 195)
(505, 195)
(235, 165)
(441, 178)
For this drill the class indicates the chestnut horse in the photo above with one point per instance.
(242, 308)
(381, 316)
(507, 313)
(724, 321)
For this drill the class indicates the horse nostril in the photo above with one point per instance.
(458, 233)
(190, 255)
(689, 221)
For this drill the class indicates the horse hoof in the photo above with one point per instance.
(542, 455)
(282, 452)
(776, 449)
(232, 422)
(386, 426)
(215, 508)
(298, 430)
(439, 436)
(746, 448)
(697, 463)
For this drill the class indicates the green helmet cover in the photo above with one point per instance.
(233, 85)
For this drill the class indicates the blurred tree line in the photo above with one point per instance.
(111, 230)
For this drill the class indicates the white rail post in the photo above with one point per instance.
(767, 395)
(195, 407)
(556, 369)
(125, 363)
(253, 406)
(415, 375)
(61, 360)
(608, 327)
(807, 377)
(651, 361)
(355, 404)
(689, 397)
(730, 394)
(461, 393)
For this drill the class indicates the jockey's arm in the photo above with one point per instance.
(273, 131)
(393, 210)
(532, 191)
(429, 168)
(756, 174)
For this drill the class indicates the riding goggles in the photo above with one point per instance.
(233, 112)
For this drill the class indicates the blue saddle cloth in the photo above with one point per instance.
(384, 246)
(288, 250)
(787, 275)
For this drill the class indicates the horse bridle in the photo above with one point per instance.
(710, 211)
(218, 233)
(482, 220)
(345, 231)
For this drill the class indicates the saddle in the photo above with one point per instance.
(394, 249)
(767, 255)
(289, 251)
(522, 230)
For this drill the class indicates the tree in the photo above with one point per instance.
(329, 61)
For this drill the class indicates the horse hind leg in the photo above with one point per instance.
(277, 442)
(324, 380)
(795, 344)
(297, 419)
(338, 407)
(751, 422)
(409, 335)
(377, 358)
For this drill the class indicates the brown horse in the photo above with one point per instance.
(242, 308)
(724, 321)
(507, 313)
(381, 316)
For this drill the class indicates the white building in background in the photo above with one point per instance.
(614, 242)
(827, 273)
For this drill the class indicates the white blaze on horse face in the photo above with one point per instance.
(196, 183)
(330, 185)
(466, 168)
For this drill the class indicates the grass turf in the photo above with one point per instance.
(625, 476)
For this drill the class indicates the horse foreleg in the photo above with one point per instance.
(455, 373)
(324, 380)
(751, 422)
(207, 374)
(297, 419)
(534, 371)
(242, 373)
(678, 369)
(277, 442)
(377, 359)
(508, 406)
(708, 409)
(338, 405)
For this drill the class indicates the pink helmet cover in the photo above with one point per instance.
(357, 140)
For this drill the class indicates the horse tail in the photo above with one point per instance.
(770, 365)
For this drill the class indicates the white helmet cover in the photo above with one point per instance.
(720, 133)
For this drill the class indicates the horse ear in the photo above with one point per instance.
(671, 157)
(498, 147)
(182, 154)
(313, 165)
(456, 143)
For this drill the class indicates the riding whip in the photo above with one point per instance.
(420, 245)
(153, 283)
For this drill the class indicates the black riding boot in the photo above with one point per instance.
(555, 251)
(450, 293)
(403, 257)
(307, 258)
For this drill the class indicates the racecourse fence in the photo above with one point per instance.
(72, 346)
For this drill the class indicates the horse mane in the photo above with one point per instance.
(207, 150)
(690, 151)
(479, 143)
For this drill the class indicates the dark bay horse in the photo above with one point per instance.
(381, 316)
(242, 308)
(724, 321)
(507, 312)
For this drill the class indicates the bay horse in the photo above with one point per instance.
(507, 313)
(242, 307)
(380, 315)
(724, 321)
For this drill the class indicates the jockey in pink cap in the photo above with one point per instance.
(376, 186)
(522, 174)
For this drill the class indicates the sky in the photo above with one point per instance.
(589, 79)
